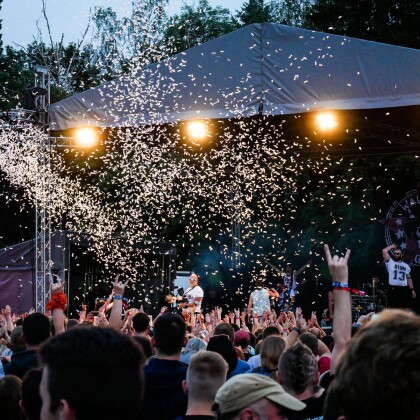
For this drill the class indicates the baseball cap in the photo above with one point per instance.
(239, 335)
(245, 389)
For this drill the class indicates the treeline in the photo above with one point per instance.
(111, 46)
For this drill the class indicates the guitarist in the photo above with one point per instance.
(193, 295)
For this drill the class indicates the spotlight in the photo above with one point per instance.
(326, 121)
(196, 130)
(86, 137)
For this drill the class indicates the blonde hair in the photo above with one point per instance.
(271, 350)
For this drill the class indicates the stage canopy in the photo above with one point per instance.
(268, 68)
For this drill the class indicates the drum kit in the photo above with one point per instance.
(370, 299)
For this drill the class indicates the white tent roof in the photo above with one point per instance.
(268, 67)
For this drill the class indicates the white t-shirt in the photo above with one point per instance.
(397, 272)
(260, 301)
(192, 293)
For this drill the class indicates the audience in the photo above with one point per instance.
(205, 375)
(35, 330)
(164, 397)
(31, 402)
(10, 395)
(91, 373)
(101, 371)
(193, 346)
(251, 396)
(298, 374)
(378, 376)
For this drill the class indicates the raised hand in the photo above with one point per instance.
(337, 265)
(57, 287)
(7, 311)
(101, 320)
(118, 286)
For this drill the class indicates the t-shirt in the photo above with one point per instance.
(260, 301)
(397, 272)
(254, 361)
(192, 293)
(313, 411)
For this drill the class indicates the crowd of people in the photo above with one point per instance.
(255, 364)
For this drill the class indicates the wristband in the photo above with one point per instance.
(344, 289)
(118, 297)
(297, 330)
(337, 284)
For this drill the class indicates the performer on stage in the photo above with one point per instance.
(194, 296)
(290, 280)
(287, 288)
(259, 300)
(399, 278)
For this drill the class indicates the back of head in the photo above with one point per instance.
(145, 344)
(31, 399)
(10, 395)
(381, 366)
(206, 374)
(169, 334)
(194, 345)
(141, 322)
(270, 330)
(242, 339)
(16, 342)
(105, 359)
(271, 350)
(226, 329)
(36, 329)
(72, 323)
(221, 344)
(298, 368)
(309, 340)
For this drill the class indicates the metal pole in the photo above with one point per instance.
(43, 260)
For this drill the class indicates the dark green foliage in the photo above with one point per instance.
(198, 24)
(389, 21)
(15, 76)
(254, 11)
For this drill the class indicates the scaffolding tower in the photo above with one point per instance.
(43, 261)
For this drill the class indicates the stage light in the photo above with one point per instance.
(86, 137)
(326, 121)
(196, 130)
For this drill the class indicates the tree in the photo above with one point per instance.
(119, 46)
(15, 76)
(390, 21)
(198, 24)
(290, 12)
(254, 11)
(71, 70)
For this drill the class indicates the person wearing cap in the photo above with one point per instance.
(242, 340)
(251, 396)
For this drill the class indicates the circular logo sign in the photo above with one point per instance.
(402, 226)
